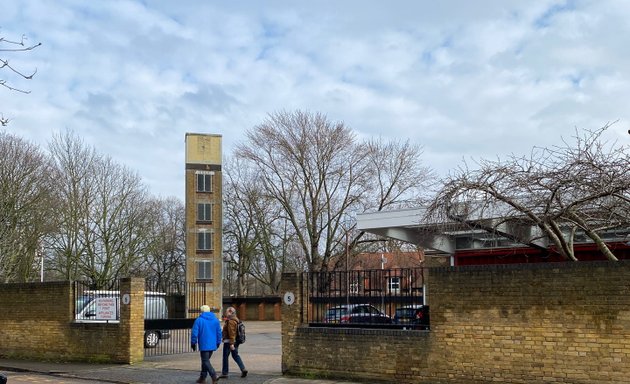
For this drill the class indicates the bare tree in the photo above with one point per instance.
(592, 194)
(398, 177)
(103, 221)
(238, 229)
(564, 190)
(25, 207)
(115, 234)
(74, 166)
(165, 256)
(309, 165)
(12, 46)
(89, 217)
(320, 176)
(254, 242)
(239, 246)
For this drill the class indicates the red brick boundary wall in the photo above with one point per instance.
(36, 322)
(543, 323)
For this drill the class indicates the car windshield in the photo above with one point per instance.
(334, 313)
(82, 302)
(365, 309)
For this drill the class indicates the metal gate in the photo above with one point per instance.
(168, 332)
(167, 336)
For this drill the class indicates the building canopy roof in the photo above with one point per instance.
(478, 230)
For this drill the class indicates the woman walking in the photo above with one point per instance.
(230, 346)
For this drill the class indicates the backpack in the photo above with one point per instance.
(240, 332)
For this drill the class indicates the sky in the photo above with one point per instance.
(464, 79)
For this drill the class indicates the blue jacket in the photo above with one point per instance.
(207, 332)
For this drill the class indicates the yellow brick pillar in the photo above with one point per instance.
(131, 320)
(292, 300)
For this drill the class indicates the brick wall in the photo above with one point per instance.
(36, 322)
(258, 308)
(545, 323)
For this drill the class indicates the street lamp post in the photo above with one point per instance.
(383, 261)
(40, 253)
(347, 274)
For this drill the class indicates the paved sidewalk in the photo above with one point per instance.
(144, 373)
(261, 354)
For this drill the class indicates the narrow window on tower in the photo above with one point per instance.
(204, 212)
(204, 241)
(204, 270)
(204, 182)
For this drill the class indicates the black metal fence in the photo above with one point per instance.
(169, 311)
(183, 301)
(96, 305)
(376, 298)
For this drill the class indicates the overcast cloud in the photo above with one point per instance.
(465, 79)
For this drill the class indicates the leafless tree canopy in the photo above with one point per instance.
(320, 176)
(7, 48)
(25, 207)
(582, 186)
(164, 258)
(83, 217)
(104, 209)
(255, 236)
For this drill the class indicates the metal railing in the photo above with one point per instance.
(376, 298)
(169, 311)
(183, 301)
(96, 305)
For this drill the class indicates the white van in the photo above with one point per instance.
(104, 306)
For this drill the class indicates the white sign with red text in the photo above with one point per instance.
(106, 308)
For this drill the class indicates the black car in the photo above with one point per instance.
(356, 313)
(416, 316)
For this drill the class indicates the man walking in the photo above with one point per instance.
(206, 332)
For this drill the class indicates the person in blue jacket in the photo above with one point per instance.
(206, 332)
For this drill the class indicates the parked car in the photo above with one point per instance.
(104, 306)
(416, 316)
(356, 313)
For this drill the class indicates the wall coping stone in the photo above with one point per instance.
(533, 266)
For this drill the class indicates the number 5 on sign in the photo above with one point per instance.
(289, 298)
